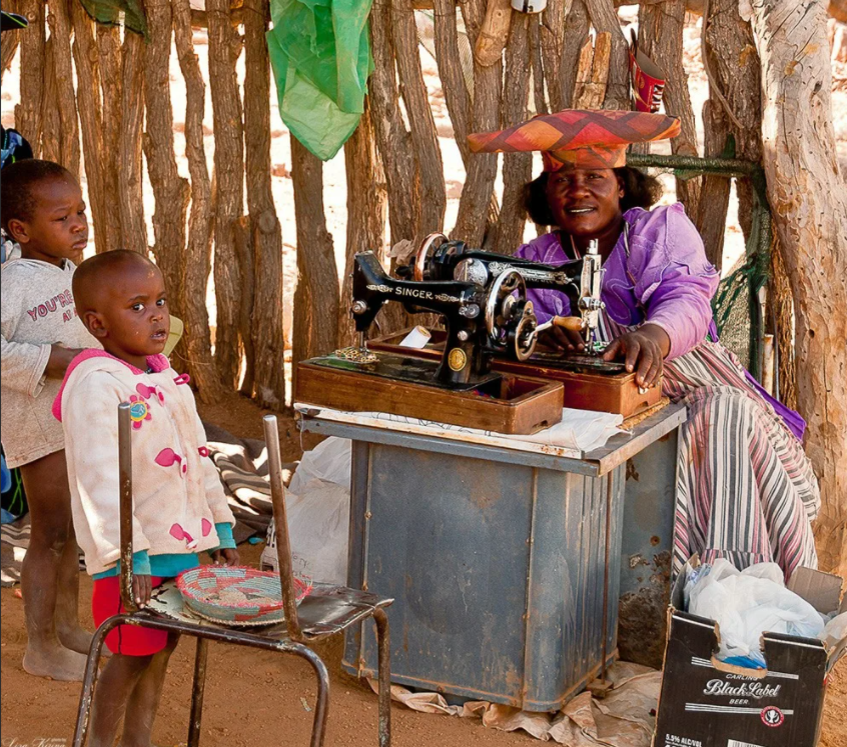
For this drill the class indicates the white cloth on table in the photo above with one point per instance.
(579, 430)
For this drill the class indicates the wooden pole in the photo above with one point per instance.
(807, 196)
(28, 113)
(735, 107)
(366, 208)
(517, 167)
(316, 294)
(475, 202)
(266, 233)
(109, 55)
(60, 33)
(660, 30)
(170, 190)
(90, 115)
(456, 94)
(130, 187)
(393, 140)
(575, 34)
(538, 94)
(552, 49)
(421, 122)
(615, 52)
(197, 347)
(50, 148)
(493, 32)
(229, 174)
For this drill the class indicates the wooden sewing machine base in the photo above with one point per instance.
(583, 390)
(503, 403)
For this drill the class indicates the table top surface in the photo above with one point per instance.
(596, 463)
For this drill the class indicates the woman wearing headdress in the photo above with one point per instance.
(746, 490)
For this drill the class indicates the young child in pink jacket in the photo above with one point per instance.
(179, 507)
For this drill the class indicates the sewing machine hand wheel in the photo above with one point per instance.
(431, 242)
(506, 299)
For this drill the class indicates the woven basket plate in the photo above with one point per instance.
(236, 595)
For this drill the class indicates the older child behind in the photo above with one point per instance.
(179, 504)
(43, 210)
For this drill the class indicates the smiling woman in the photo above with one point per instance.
(746, 490)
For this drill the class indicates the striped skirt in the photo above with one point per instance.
(746, 490)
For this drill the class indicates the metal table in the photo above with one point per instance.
(505, 565)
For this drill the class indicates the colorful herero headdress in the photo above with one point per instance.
(582, 138)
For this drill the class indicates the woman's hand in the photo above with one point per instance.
(562, 340)
(227, 556)
(643, 351)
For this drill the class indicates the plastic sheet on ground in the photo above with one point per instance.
(317, 503)
(626, 717)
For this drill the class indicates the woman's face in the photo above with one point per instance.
(584, 202)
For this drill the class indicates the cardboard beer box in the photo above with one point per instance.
(708, 703)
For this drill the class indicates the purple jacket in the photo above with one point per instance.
(663, 278)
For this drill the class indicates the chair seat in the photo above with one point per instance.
(326, 611)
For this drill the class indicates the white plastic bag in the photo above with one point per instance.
(318, 506)
(835, 630)
(747, 603)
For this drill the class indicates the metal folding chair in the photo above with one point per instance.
(327, 611)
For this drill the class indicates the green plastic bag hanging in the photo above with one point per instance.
(321, 58)
(117, 12)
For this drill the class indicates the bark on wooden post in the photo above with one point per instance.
(109, 56)
(316, 295)
(552, 49)
(475, 201)
(393, 140)
(243, 242)
(605, 19)
(90, 114)
(229, 175)
(453, 83)
(366, 203)
(267, 310)
(170, 190)
(50, 148)
(494, 32)
(421, 122)
(60, 33)
(575, 34)
(539, 97)
(810, 211)
(130, 193)
(714, 197)
(196, 346)
(593, 73)
(660, 29)
(733, 69)
(517, 167)
(28, 112)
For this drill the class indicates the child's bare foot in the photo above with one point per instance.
(76, 639)
(57, 663)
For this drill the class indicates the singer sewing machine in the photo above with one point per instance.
(590, 382)
(457, 385)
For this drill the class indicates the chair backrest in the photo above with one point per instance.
(283, 545)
